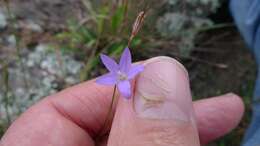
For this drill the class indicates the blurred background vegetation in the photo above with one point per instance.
(48, 45)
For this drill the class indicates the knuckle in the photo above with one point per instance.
(163, 136)
(171, 135)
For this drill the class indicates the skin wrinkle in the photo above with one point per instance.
(209, 119)
(62, 111)
(150, 103)
(105, 95)
(78, 120)
(56, 132)
(160, 85)
(103, 104)
(95, 118)
(150, 100)
(62, 119)
(81, 122)
(163, 136)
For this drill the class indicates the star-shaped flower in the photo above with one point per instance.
(120, 74)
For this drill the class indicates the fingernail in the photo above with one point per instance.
(162, 91)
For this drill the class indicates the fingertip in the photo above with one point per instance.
(238, 103)
(217, 116)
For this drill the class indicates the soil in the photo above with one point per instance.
(236, 73)
(229, 51)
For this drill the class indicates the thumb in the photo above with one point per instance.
(160, 112)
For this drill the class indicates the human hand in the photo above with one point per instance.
(161, 113)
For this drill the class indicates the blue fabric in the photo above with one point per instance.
(246, 14)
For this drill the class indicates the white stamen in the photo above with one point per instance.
(121, 76)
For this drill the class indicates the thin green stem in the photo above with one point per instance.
(17, 46)
(216, 26)
(109, 115)
(6, 95)
(89, 64)
(94, 52)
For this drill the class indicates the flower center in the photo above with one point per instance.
(121, 76)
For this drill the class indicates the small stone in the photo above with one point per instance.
(3, 21)
(11, 40)
(70, 80)
(41, 48)
(30, 25)
(30, 63)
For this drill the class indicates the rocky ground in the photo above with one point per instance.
(34, 70)
(50, 14)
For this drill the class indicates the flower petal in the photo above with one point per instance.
(110, 64)
(135, 70)
(107, 79)
(125, 61)
(125, 89)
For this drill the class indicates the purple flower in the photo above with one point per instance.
(120, 75)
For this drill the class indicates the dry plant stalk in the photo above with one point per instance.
(137, 26)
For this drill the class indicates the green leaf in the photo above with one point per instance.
(116, 49)
(117, 18)
(136, 42)
(101, 17)
(92, 62)
(89, 37)
(63, 35)
(72, 25)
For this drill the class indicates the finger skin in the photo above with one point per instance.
(218, 116)
(72, 117)
(133, 131)
(86, 105)
(43, 125)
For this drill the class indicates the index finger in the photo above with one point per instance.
(71, 117)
